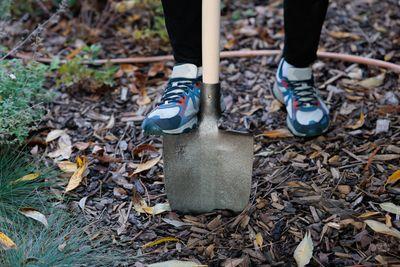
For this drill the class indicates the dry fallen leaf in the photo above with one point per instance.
(34, 214)
(27, 178)
(157, 209)
(382, 228)
(359, 123)
(67, 166)
(53, 135)
(77, 177)
(6, 242)
(259, 240)
(64, 149)
(368, 214)
(147, 165)
(343, 35)
(304, 251)
(279, 133)
(373, 81)
(143, 100)
(275, 106)
(394, 177)
(390, 207)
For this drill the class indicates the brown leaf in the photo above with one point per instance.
(34, 214)
(275, 106)
(144, 147)
(343, 35)
(279, 133)
(156, 68)
(147, 165)
(81, 145)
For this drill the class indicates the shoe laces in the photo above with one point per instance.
(304, 92)
(176, 88)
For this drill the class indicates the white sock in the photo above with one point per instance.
(295, 74)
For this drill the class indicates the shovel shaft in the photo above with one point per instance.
(211, 21)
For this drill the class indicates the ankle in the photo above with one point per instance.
(294, 73)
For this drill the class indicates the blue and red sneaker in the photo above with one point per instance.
(307, 114)
(177, 111)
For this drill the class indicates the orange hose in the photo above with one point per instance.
(233, 54)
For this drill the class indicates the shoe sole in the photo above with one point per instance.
(187, 127)
(276, 92)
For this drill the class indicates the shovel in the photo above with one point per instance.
(208, 169)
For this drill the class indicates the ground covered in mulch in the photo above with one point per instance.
(328, 185)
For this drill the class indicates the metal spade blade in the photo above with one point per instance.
(208, 168)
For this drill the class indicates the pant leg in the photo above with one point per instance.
(183, 22)
(303, 24)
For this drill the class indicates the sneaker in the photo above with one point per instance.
(307, 114)
(177, 111)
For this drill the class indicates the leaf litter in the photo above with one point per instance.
(325, 186)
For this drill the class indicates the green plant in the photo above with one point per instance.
(76, 73)
(21, 183)
(63, 243)
(21, 98)
(155, 26)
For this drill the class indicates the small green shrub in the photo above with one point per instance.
(75, 73)
(21, 98)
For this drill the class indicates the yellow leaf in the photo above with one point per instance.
(77, 177)
(382, 228)
(394, 177)
(27, 178)
(259, 240)
(34, 214)
(147, 165)
(304, 251)
(6, 242)
(390, 207)
(279, 133)
(67, 166)
(368, 214)
(358, 123)
(160, 241)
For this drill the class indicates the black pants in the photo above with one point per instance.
(303, 23)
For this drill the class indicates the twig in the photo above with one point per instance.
(39, 29)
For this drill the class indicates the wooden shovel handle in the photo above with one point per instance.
(211, 22)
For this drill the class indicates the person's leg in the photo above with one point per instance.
(307, 113)
(177, 111)
(183, 22)
(303, 24)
